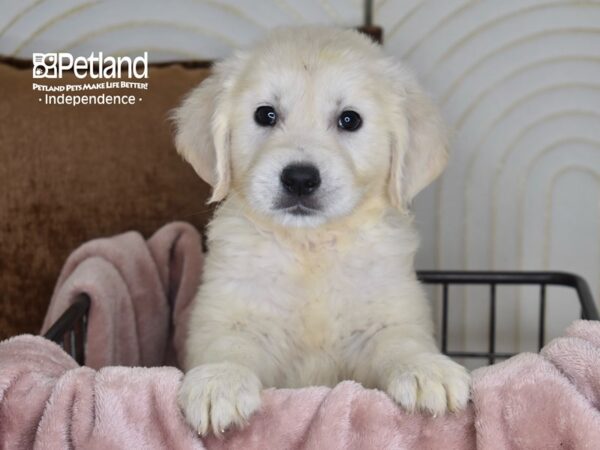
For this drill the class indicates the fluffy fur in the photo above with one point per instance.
(296, 300)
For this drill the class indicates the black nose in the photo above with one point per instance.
(300, 179)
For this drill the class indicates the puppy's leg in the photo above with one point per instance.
(407, 365)
(223, 387)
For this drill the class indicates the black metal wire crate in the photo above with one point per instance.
(493, 279)
(70, 329)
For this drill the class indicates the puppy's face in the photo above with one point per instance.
(309, 125)
(309, 137)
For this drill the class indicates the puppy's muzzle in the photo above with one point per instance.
(300, 179)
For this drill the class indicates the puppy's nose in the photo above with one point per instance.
(300, 179)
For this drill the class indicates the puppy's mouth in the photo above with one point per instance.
(299, 210)
(297, 206)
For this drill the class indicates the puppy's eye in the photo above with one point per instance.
(265, 116)
(349, 121)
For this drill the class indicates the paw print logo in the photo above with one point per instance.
(44, 65)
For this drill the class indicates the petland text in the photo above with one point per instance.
(53, 65)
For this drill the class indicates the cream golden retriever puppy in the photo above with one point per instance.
(315, 143)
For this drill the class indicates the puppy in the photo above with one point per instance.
(315, 143)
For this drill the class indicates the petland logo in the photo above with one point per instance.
(52, 65)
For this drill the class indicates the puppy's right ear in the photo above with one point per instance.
(203, 128)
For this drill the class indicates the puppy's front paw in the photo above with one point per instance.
(432, 383)
(219, 396)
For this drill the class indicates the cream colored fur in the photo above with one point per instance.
(291, 301)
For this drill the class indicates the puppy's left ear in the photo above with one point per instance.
(419, 142)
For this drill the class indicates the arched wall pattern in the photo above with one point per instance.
(200, 29)
(519, 83)
(517, 80)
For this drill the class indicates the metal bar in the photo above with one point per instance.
(368, 16)
(84, 324)
(61, 327)
(542, 318)
(78, 353)
(588, 306)
(492, 327)
(586, 299)
(480, 354)
(72, 344)
(444, 317)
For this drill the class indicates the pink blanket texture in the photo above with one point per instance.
(140, 291)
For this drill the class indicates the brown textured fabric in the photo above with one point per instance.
(69, 174)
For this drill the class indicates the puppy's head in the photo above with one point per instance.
(309, 125)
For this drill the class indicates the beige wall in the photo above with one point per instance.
(520, 83)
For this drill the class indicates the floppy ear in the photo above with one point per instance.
(202, 135)
(419, 143)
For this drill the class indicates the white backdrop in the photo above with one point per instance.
(518, 80)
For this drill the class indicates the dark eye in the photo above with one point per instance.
(349, 121)
(265, 116)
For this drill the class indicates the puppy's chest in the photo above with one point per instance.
(319, 292)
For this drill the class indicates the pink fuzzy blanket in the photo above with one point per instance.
(140, 291)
